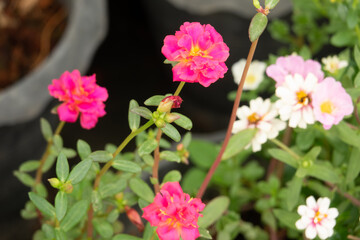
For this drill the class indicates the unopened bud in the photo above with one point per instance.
(165, 106)
(119, 196)
(256, 3)
(67, 187)
(171, 117)
(180, 147)
(135, 218)
(54, 182)
(160, 123)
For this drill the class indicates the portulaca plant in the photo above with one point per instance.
(294, 139)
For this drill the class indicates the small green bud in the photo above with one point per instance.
(306, 163)
(67, 187)
(156, 115)
(55, 183)
(171, 117)
(256, 4)
(160, 123)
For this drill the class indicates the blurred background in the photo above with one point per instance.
(129, 63)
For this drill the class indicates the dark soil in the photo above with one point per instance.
(29, 30)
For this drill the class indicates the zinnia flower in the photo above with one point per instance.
(332, 64)
(254, 76)
(260, 115)
(80, 95)
(295, 103)
(199, 51)
(291, 65)
(174, 213)
(317, 218)
(330, 110)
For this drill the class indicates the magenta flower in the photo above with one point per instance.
(199, 51)
(174, 213)
(79, 95)
(291, 65)
(331, 102)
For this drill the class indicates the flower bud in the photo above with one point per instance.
(160, 123)
(135, 218)
(54, 182)
(67, 187)
(165, 106)
(171, 117)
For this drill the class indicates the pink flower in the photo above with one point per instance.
(331, 102)
(199, 51)
(291, 65)
(174, 213)
(79, 95)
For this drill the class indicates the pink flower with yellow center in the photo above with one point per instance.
(174, 213)
(291, 65)
(200, 52)
(331, 102)
(317, 218)
(80, 95)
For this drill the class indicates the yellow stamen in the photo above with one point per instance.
(303, 98)
(327, 107)
(253, 118)
(319, 217)
(250, 79)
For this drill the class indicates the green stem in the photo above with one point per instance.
(285, 148)
(118, 150)
(231, 122)
(46, 153)
(178, 90)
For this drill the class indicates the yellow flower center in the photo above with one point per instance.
(327, 107)
(250, 79)
(302, 98)
(253, 118)
(319, 217)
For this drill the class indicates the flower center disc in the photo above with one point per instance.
(327, 107)
(303, 98)
(253, 118)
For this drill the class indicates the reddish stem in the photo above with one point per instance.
(231, 122)
(155, 172)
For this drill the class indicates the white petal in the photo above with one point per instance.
(308, 115)
(301, 224)
(310, 232)
(302, 210)
(322, 231)
(329, 223)
(261, 137)
(323, 204)
(239, 125)
(310, 83)
(264, 126)
(295, 119)
(243, 112)
(332, 213)
(311, 203)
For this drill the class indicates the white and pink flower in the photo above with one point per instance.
(255, 74)
(261, 115)
(317, 218)
(333, 64)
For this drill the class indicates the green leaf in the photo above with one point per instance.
(42, 204)
(79, 171)
(62, 167)
(172, 176)
(126, 166)
(170, 156)
(323, 171)
(154, 100)
(46, 129)
(112, 188)
(283, 156)
(61, 203)
(357, 55)
(270, 4)
(347, 135)
(49, 162)
(184, 121)
(286, 218)
(353, 168)
(83, 149)
(204, 233)
(343, 38)
(41, 190)
(257, 26)
(141, 189)
(125, 237)
(134, 119)
(268, 218)
(213, 211)
(48, 230)
(60, 234)
(25, 178)
(149, 233)
(75, 214)
(96, 201)
(142, 111)
(69, 153)
(29, 166)
(103, 227)
(101, 156)
(238, 142)
(351, 19)
(148, 159)
(192, 180)
(58, 142)
(305, 139)
(357, 80)
(173, 63)
(171, 132)
(203, 153)
(147, 147)
(293, 192)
